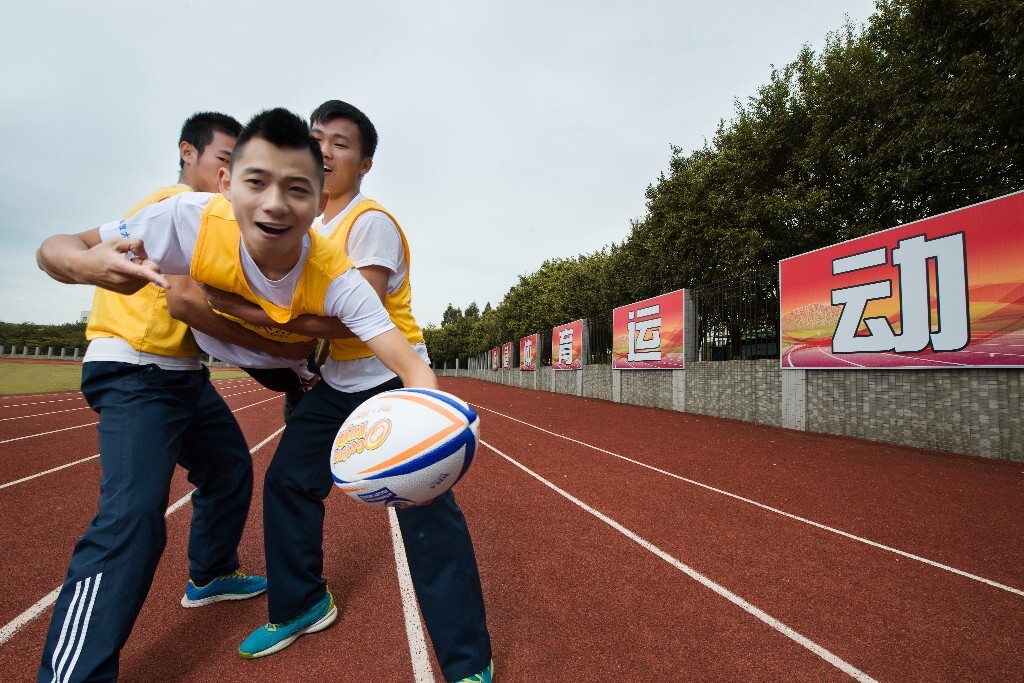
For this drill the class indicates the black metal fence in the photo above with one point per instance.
(599, 338)
(738, 319)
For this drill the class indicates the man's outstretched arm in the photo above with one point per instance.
(395, 352)
(120, 265)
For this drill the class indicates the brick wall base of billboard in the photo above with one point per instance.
(977, 412)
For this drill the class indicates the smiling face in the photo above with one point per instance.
(276, 194)
(344, 163)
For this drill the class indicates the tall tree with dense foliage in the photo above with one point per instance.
(919, 112)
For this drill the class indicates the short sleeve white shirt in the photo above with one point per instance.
(374, 240)
(169, 231)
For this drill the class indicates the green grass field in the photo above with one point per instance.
(36, 378)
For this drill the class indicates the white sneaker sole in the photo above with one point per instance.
(319, 625)
(185, 602)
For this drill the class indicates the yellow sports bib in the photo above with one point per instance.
(217, 262)
(398, 303)
(142, 318)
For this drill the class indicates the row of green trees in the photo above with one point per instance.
(67, 335)
(916, 113)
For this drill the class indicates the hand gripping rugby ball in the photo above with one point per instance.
(404, 447)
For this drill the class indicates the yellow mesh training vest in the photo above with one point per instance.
(216, 261)
(142, 318)
(398, 303)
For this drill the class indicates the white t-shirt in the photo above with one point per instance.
(373, 241)
(117, 350)
(169, 231)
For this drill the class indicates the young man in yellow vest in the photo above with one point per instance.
(437, 539)
(157, 407)
(261, 247)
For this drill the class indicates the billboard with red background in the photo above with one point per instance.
(648, 334)
(495, 358)
(506, 356)
(944, 292)
(528, 349)
(567, 347)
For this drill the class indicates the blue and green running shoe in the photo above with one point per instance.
(233, 586)
(271, 638)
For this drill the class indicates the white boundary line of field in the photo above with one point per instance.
(804, 520)
(722, 591)
(47, 601)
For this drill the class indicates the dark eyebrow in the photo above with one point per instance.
(225, 152)
(291, 179)
(341, 136)
(300, 179)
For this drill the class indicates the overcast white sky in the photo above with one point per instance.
(510, 132)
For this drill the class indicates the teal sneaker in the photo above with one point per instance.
(485, 676)
(233, 586)
(271, 638)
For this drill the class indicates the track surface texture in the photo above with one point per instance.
(615, 543)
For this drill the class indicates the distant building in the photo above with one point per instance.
(84, 317)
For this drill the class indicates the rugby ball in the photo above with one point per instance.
(404, 447)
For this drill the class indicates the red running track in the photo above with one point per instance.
(616, 543)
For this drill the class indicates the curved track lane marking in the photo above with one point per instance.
(817, 525)
(421, 670)
(47, 601)
(724, 592)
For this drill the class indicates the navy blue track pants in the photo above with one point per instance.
(437, 541)
(150, 420)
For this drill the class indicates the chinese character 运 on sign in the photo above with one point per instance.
(648, 335)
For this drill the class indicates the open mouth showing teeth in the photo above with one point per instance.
(270, 230)
(327, 169)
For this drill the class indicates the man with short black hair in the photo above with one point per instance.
(437, 540)
(157, 408)
(255, 240)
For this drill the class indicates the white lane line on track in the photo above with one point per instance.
(52, 412)
(817, 525)
(55, 469)
(251, 391)
(49, 471)
(236, 410)
(421, 671)
(47, 601)
(89, 424)
(14, 397)
(32, 436)
(763, 616)
(39, 403)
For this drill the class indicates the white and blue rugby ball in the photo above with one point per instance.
(404, 447)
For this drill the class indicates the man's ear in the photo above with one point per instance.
(224, 181)
(365, 165)
(187, 152)
(325, 196)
